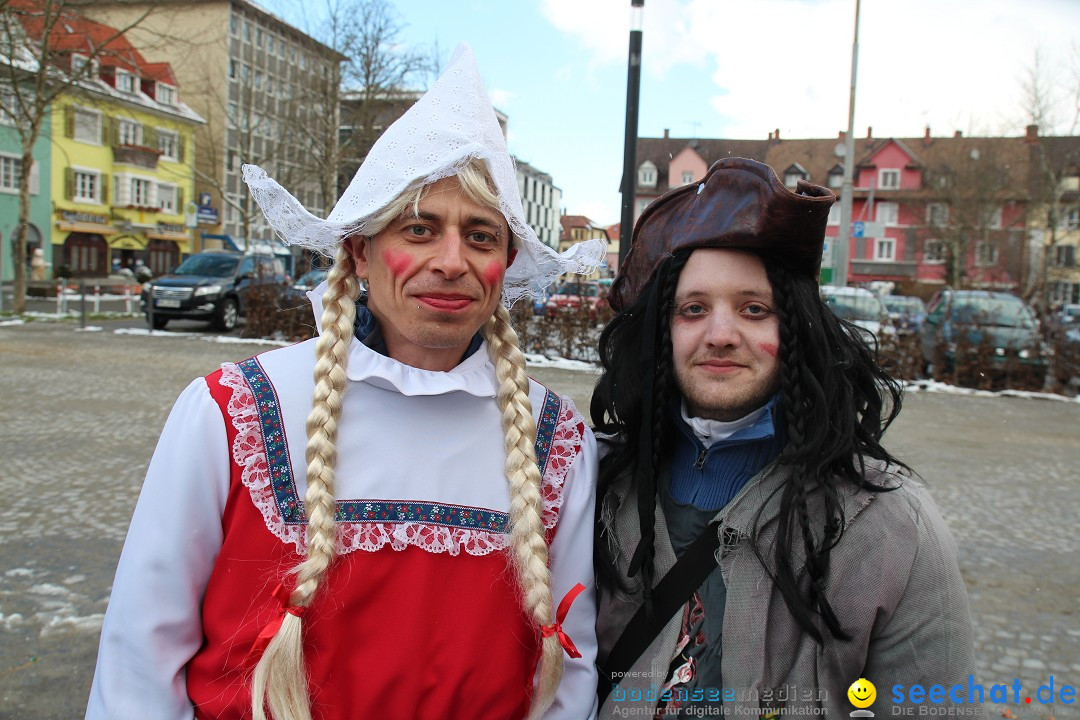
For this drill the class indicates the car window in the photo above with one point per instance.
(247, 265)
(1000, 312)
(855, 307)
(207, 265)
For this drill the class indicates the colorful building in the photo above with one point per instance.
(11, 169)
(926, 212)
(122, 166)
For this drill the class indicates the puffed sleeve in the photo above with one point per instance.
(152, 626)
(572, 563)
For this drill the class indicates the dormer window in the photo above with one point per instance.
(836, 177)
(125, 82)
(79, 68)
(889, 179)
(646, 174)
(794, 174)
(165, 94)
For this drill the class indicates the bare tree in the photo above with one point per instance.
(36, 67)
(374, 86)
(976, 208)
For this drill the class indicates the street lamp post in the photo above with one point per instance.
(633, 90)
(840, 252)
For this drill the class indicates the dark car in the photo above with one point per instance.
(211, 286)
(906, 311)
(978, 321)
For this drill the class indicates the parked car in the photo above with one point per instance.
(906, 312)
(572, 296)
(1067, 317)
(859, 306)
(976, 320)
(211, 286)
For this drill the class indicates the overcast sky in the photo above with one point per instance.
(741, 69)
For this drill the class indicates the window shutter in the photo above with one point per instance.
(103, 183)
(108, 131)
(179, 200)
(69, 121)
(149, 137)
(179, 148)
(35, 179)
(69, 184)
(1070, 256)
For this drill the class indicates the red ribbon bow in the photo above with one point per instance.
(560, 615)
(270, 629)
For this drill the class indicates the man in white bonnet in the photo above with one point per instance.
(427, 551)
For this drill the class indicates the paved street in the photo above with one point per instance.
(80, 413)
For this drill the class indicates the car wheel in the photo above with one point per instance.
(158, 323)
(226, 315)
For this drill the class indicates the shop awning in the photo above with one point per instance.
(91, 228)
(168, 236)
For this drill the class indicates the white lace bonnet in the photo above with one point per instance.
(451, 124)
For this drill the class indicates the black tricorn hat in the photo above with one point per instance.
(739, 204)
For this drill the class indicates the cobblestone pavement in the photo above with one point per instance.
(80, 413)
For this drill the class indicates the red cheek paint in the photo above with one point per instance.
(398, 262)
(493, 273)
(769, 348)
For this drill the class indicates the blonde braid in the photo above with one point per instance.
(280, 678)
(528, 545)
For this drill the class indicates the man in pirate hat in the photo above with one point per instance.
(757, 545)
(390, 520)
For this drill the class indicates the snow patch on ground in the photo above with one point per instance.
(944, 388)
(560, 363)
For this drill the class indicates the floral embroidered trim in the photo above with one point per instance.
(261, 451)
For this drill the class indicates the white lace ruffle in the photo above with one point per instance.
(249, 454)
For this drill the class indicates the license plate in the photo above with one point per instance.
(167, 303)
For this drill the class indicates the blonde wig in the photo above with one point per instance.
(280, 678)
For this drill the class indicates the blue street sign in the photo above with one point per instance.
(858, 229)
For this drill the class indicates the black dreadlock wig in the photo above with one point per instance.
(836, 404)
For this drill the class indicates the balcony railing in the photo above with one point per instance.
(136, 155)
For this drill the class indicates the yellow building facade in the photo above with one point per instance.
(123, 174)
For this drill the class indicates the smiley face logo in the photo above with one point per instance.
(862, 693)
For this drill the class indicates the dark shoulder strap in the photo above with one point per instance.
(673, 591)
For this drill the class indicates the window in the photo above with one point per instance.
(245, 73)
(129, 133)
(792, 178)
(647, 174)
(87, 126)
(167, 197)
(986, 254)
(934, 252)
(642, 204)
(1064, 255)
(9, 107)
(140, 192)
(888, 213)
(168, 142)
(10, 173)
(232, 68)
(87, 186)
(885, 249)
(834, 214)
(836, 179)
(687, 177)
(258, 80)
(166, 94)
(937, 214)
(125, 82)
(1072, 219)
(234, 114)
(234, 25)
(270, 44)
(247, 31)
(889, 179)
(995, 219)
(258, 37)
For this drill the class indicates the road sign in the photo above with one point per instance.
(867, 229)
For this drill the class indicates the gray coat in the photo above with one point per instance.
(893, 582)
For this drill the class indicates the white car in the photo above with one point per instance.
(860, 306)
